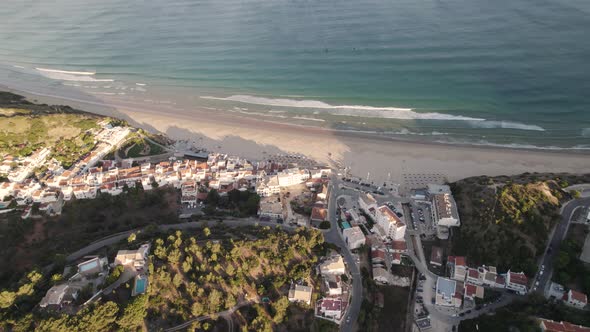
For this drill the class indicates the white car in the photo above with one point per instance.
(537, 283)
(541, 273)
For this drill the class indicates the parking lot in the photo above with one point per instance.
(421, 219)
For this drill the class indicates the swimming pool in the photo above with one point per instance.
(140, 285)
(88, 266)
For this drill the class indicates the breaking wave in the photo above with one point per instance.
(63, 75)
(489, 124)
(349, 110)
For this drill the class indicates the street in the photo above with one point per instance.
(552, 248)
(335, 237)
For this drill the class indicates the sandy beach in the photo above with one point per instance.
(380, 158)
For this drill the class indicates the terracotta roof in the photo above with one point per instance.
(399, 245)
(518, 278)
(391, 216)
(553, 326)
(331, 304)
(577, 296)
(458, 260)
(470, 290)
(378, 254)
(473, 273)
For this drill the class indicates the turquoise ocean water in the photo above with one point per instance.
(504, 72)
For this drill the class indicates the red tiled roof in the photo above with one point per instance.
(399, 245)
(577, 296)
(553, 326)
(378, 253)
(500, 280)
(575, 328)
(470, 289)
(473, 273)
(457, 260)
(397, 256)
(518, 278)
(332, 304)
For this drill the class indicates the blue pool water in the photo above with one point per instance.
(140, 284)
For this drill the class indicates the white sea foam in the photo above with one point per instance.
(489, 124)
(63, 75)
(516, 145)
(309, 119)
(20, 67)
(349, 110)
(140, 84)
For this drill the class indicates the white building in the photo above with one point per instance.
(333, 265)
(448, 293)
(300, 293)
(270, 207)
(354, 237)
(517, 282)
(292, 176)
(367, 203)
(444, 209)
(391, 224)
(576, 299)
(330, 308)
(333, 285)
(457, 267)
(133, 258)
(189, 192)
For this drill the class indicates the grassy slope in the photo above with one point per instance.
(506, 220)
(25, 127)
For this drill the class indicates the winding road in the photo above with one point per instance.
(334, 236)
(559, 234)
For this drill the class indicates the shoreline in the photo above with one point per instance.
(377, 156)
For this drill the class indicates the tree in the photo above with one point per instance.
(212, 197)
(197, 309)
(133, 314)
(280, 309)
(230, 301)
(131, 238)
(206, 231)
(7, 298)
(215, 299)
(177, 280)
(99, 318)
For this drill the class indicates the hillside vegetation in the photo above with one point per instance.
(192, 276)
(26, 127)
(506, 221)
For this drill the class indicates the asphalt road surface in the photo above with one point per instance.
(335, 237)
(558, 236)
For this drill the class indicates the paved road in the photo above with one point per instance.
(112, 239)
(335, 237)
(558, 235)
